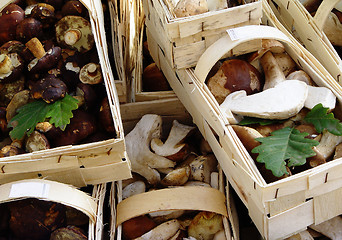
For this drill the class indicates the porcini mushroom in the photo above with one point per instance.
(173, 148)
(91, 74)
(328, 144)
(50, 89)
(29, 28)
(235, 75)
(300, 75)
(75, 32)
(10, 17)
(138, 148)
(321, 95)
(11, 67)
(284, 100)
(202, 167)
(273, 73)
(177, 177)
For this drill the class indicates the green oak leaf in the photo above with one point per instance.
(27, 118)
(321, 119)
(286, 146)
(60, 112)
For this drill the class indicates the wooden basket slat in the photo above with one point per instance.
(90, 157)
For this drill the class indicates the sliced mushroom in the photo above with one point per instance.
(202, 167)
(177, 177)
(133, 189)
(163, 231)
(284, 100)
(173, 148)
(321, 95)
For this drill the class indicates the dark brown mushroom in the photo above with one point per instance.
(11, 67)
(29, 28)
(154, 80)
(45, 13)
(50, 89)
(57, 4)
(10, 17)
(36, 142)
(74, 8)
(11, 150)
(88, 93)
(8, 90)
(105, 116)
(71, 68)
(44, 60)
(75, 32)
(13, 46)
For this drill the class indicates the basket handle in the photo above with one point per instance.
(323, 11)
(235, 37)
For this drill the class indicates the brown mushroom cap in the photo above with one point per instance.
(10, 16)
(12, 46)
(11, 66)
(48, 61)
(50, 89)
(45, 13)
(29, 28)
(235, 75)
(75, 8)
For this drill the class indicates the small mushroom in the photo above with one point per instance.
(11, 150)
(235, 75)
(45, 13)
(10, 17)
(75, 32)
(44, 60)
(177, 177)
(11, 67)
(29, 28)
(202, 167)
(173, 148)
(285, 62)
(284, 100)
(105, 116)
(328, 143)
(135, 227)
(273, 73)
(271, 45)
(75, 8)
(134, 188)
(8, 90)
(301, 76)
(138, 141)
(12, 46)
(50, 89)
(19, 99)
(205, 225)
(36, 142)
(89, 95)
(163, 231)
(91, 74)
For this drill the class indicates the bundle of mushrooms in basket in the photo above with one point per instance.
(51, 87)
(183, 159)
(285, 121)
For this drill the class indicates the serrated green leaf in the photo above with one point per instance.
(321, 119)
(263, 122)
(27, 118)
(60, 112)
(286, 146)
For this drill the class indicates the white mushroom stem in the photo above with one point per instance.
(280, 102)
(134, 188)
(273, 73)
(173, 144)
(321, 95)
(72, 36)
(138, 148)
(328, 144)
(331, 228)
(285, 63)
(163, 231)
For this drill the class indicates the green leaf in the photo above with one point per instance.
(263, 122)
(27, 118)
(321, 119)
(60, 112)
(286, 146)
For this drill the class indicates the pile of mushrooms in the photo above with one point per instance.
(183, 159)
(268, 84)
(47, 50)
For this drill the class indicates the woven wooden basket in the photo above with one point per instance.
(300, 200)
(83, 164)
(91, 206)
(308, 30)
(208, 199)
(183, 40)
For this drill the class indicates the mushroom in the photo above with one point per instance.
(11, 67)
(45, 13)
(91, 74)
(273, 73)
(327, 145)
(75, 8)
(105, 116)
(285, 62)
(177, 177)
(8, 90)
(135, 227)
(162, 216)
(89, 96)
(205, 225)
(186, 8)
(134, 188)
(163, 231)
(11, 150)
(202, 167)
(43, 61)
(10, 17)
(235, 75)
(272, 45)
(75, 32)
(173, 148)
(19, 99)
(50, 89)
(321, 95)
(154, 80)
(338, 151)
(301, 76)
(138, 148)
(36, 142)
(284, 100)
(29, 28)
(12, 46)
